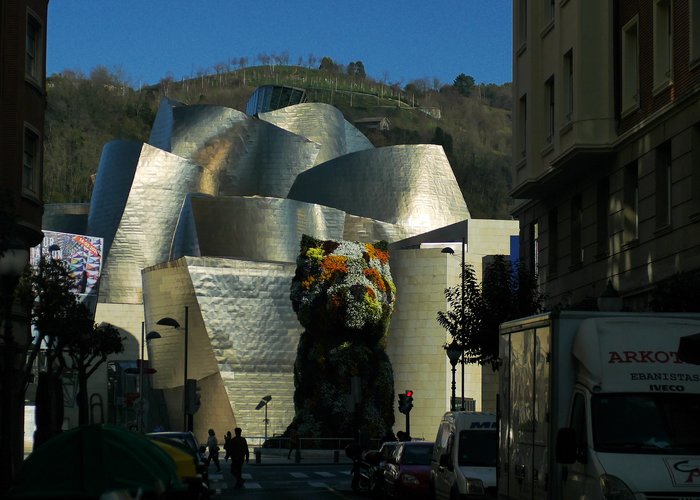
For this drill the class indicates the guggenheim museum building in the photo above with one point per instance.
(201, 227)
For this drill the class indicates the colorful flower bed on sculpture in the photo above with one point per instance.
(343, 294)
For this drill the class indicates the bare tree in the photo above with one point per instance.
(312, 60)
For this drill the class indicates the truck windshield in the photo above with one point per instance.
(646, 423)
(478, 448)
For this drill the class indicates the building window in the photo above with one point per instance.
(631, 203)
(534, 259)
(569, 85)
(695, 173)
(630, 66)
(549, 10)
(522, 22)
(662, 43)
(694, 30)
(30, 168)
(33, 48)
(662, 167)
(553, 241)
(549, 103)
(576, 230)
(602, 215)
(522, 125)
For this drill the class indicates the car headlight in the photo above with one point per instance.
(409, 479)
(614, 488)
(475, 486)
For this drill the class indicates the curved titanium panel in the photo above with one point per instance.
(252, 331)
(355, 140)
(412, 186)
(115, 174)
(169, 288)
(147, 227)
(162, 128)
(260, 228)
(318, 122)
(247, 156)
(370, 230)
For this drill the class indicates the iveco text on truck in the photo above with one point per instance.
(599, 406)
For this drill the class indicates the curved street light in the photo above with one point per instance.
(454, 352)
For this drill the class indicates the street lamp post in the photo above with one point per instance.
(454, 352)
(263, 403)
(462, 318)
(142, 362)
(172, 322)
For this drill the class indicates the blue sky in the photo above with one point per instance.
(400, 40)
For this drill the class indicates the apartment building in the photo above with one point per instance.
(606, 144)
(22, 105)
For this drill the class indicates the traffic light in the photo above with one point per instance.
(406, 402)
(193, 398)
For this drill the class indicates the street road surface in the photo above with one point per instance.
(281, 482)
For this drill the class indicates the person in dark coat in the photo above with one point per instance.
(239, 454)
(227, 445)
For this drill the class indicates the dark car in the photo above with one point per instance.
(407, 473)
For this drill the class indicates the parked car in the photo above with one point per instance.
(189, 441)
(185, 437)
(407, 473)
(188, 468)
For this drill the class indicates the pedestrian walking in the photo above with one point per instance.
(213, 447)
(227, 445)
(293, 443)
(239, 454)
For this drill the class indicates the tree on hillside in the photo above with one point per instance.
(311, 60)
(476, 311)
(328, 65)
(357, 70)
(464, 84)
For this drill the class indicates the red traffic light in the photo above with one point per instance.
(409, 393)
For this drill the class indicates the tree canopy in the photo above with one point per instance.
(464, 84)
(66, 331)
(476, 311)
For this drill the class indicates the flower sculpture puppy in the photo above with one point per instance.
(343, 295)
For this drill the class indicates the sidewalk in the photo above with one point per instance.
(278, 456)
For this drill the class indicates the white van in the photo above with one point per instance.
(464, 457)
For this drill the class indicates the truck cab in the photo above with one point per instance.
(599, 407)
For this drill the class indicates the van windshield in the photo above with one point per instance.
(646, 423)
(478, 448)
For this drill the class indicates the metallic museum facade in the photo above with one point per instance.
(204, 221)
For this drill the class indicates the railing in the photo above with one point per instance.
(310, 450)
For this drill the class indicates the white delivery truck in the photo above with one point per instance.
(599, 406)
(464, 457)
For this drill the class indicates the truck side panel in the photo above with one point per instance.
(525, 395)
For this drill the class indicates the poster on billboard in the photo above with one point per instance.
(81, 254)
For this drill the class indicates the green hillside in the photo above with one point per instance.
(472, 122)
